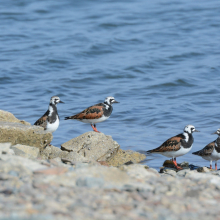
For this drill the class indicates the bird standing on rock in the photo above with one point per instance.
(50, 120)
(178, 145)
(96, 113)
(211, 151)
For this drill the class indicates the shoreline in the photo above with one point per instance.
(90, 177)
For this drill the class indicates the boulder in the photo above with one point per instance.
(125, 157)
(92, 146)
(18, 133)
(9, 117)
(51, 152)
(26, 151)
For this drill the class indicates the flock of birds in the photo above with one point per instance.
(173, 147)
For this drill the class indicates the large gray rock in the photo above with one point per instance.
(17, 133)
(125, 156)
(92, 146)
(51, 152)
(26, 151)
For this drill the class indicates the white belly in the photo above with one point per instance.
(209, 158)
(178, 153)
(94, 121)
(215, 155)
(53, 127)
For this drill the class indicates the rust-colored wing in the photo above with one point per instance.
(207, 150)
(172, 144)
(93, 112)
(42, 121)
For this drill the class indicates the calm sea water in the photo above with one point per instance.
(160, 59)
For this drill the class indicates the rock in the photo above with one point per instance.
(9, 117)
(170, 172)
(137, 187)
(168, 163)
(203, 170)
(124, 156)
(92, 146)
(183, 173)
(51, 152)
(139, 171)
(52, 171)
(103, 163)
(26, 151)
(17, 133)
(184, 164)
(93, 182)
(12, 162)
(164, 169)
(5, 147)
(74, 157)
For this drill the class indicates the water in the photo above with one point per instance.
(159, 59)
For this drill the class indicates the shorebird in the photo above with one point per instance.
(96, 113)
(177, 146)
(50, 120)
(211, 151)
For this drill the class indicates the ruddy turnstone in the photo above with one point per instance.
(50, 120)
(178, 145)
(96, 113)
(211, 151)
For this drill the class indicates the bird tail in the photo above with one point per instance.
(196, 153)
(149, 151)
(66, 118)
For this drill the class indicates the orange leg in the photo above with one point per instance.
(216, 165)
(210, 166)
(94, 128)
(175, 163)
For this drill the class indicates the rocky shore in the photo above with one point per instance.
(90, 177)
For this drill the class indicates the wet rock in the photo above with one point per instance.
(124, 156)
(203, 170)
(17, 133)
(51, 152)
(26, 151)
(184, 165)
(92, 145)
(168, 163)
(9, 117)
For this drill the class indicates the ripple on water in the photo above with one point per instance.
(160, 60)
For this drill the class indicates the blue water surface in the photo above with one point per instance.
(160, 59)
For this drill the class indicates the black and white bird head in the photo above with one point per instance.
(54, 100)
(217, 132)
(190, 129)
(110, 100)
